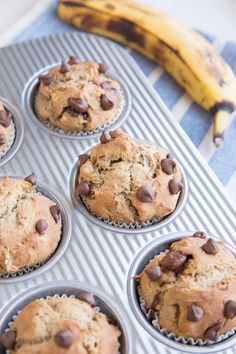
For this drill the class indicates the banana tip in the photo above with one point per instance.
(218, 140)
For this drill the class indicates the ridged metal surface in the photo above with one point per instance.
(97, 256)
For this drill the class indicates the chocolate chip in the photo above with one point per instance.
(46, 79)
(73, 60)
(83, 188)
(55, 211)
(194, 313)
(31, 178)
(41, 226)
(78, 104)
(87, 297)
(230, 309)
(199, 234)
(8, 340)
(83, 158)
(173, 260)
(210, 247)
(145, 194)
(156, 301)
(64, 338)
(3, 139)
(169, 156)
(175, 186)
(153, 273)
(106, 103)
(213, 331)
(107, 85)
(105, 137)
(65, 68)
(103, 68)
(5, 118)
(168, 166)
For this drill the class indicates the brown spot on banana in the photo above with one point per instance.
(73, 4)
(110, 6)
(127, 29)
(223, 106)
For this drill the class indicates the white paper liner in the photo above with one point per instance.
(9, 144)
(30, 269)
(56, 296)
(152, 317)
(137, 225)
(90, 132)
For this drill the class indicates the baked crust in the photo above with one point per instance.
(83, 81)
(38, 323)
(117, 169)
(207, 280)
(20, 243)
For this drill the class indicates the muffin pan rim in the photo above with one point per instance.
(27, 108)
(137, 264)
(19, 130)
(66, 233)
(182, 200)
(112, 309)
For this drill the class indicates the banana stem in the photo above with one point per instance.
(221, 122)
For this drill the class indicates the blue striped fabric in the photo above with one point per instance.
(196, 122)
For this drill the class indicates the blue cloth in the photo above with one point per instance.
(195, 121)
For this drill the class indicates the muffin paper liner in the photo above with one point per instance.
(56, 296)
(90, 132)
(137, 225)
(11, 140)
(30, 269)
(152, 317)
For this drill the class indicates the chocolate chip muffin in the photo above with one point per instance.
(78, 96)
(129, 182)
(30, 225)
(62, 325)
(6, 130)
(192, 287)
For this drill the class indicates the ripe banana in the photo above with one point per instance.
(186, 55)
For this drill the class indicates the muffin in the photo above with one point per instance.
(30, 225)
(78, 96)
(124, 181)
(62, 325)
(192, 288)
(6, 130)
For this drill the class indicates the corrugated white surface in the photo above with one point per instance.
(96, 256)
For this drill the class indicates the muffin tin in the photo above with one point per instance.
(28, 99)
(31, 272)
(98, 256)
(19, 131)
(141, 260)
(67, 288)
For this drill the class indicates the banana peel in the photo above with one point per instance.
(183, 53)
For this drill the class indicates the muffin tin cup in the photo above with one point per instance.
(141, 228)
(68, 289)
(28, 98)
(37, 269)
(17, 132)
(135, 299)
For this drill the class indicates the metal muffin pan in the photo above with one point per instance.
(19, 131)
(28, 99)
(140, 261)
(106, 305)
(123, 229)
(97, 255)
(65, 235)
